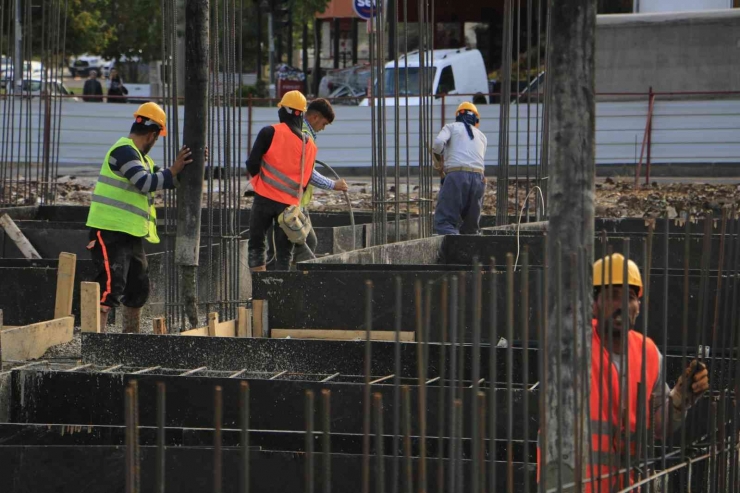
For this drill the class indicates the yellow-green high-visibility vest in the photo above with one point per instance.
(308, 193)
(117, 205)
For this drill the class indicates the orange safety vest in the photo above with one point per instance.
(280, 175)
(607, 436)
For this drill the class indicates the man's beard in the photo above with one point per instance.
(148, 148)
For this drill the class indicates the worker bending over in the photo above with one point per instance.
(318, 115)
(611, 349)
(281, 165)
(460, 150)
(122, 215)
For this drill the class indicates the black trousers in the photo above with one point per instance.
(265, 213)
(123, 271)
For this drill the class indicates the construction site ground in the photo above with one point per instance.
(615, 197)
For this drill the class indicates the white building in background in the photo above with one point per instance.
(647, 6)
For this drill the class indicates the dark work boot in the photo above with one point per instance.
(131, 320)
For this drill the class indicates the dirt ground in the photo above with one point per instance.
(614, 197)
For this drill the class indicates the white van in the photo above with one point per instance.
(458, 74)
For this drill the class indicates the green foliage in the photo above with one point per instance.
(304, 10)
(258, 91)
(138, 29)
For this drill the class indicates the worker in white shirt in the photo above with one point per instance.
(459, 151)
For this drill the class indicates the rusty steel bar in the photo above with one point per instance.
(309, 467)
(244, 412)
(366, 395)
(326, 438)
(217, 441)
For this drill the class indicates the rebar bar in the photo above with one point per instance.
(326, 438)
(159, 472)
(379, 452)
(309, 465)
(244, 419)
(217, 440)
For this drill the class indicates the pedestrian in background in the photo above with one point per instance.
(116, 90)
(92, 91)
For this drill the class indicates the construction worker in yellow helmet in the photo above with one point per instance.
(280, 167)
(615, 348)
(122, 214)
(459, 152)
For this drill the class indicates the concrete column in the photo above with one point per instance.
(571, 205)
(195, 131)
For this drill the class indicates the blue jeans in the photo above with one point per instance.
(459, 204)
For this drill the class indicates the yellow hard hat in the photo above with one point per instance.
(155, 113)
(467, 106)
(614, 270)
(294, 100)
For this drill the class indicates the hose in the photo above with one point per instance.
(351, 214)
(349, 204)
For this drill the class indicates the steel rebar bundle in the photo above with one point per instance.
(30, 124)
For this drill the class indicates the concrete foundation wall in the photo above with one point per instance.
(671, 52)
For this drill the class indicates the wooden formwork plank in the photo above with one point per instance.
(65, 284)
(90, 306)
(200, 331)
(212, 323)
(159, 326)
(17, 236)
(342, 335)
(259, 318)
(214, 328)
(226, 329)
(244, 323)
(32, 341)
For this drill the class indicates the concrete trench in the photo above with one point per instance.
(328, 293)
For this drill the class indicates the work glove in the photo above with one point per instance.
(692, 383)
(438, 163)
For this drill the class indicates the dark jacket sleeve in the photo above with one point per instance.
(260, 147)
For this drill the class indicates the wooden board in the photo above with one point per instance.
(65, 284)
(343, 335)
(212, 323)
(90, 306)
(200, 331)
(18, 237)
(214, 328)
(159, 326)
(259, 318)
(244, 323)
(220, 329)
(32, 341)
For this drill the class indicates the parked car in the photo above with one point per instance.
(36, 87)
(34, 70)
(458, 74)
(84, 64)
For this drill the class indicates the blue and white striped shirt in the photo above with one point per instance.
(124, 161)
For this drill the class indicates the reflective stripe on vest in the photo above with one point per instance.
(117, 205)
(279, 179)
(284, 184)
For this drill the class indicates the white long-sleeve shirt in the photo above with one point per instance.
(454, 143)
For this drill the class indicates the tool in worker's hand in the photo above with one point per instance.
(692, 383)
(438, 161)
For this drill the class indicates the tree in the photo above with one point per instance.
(138, 30)
(87, 28)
